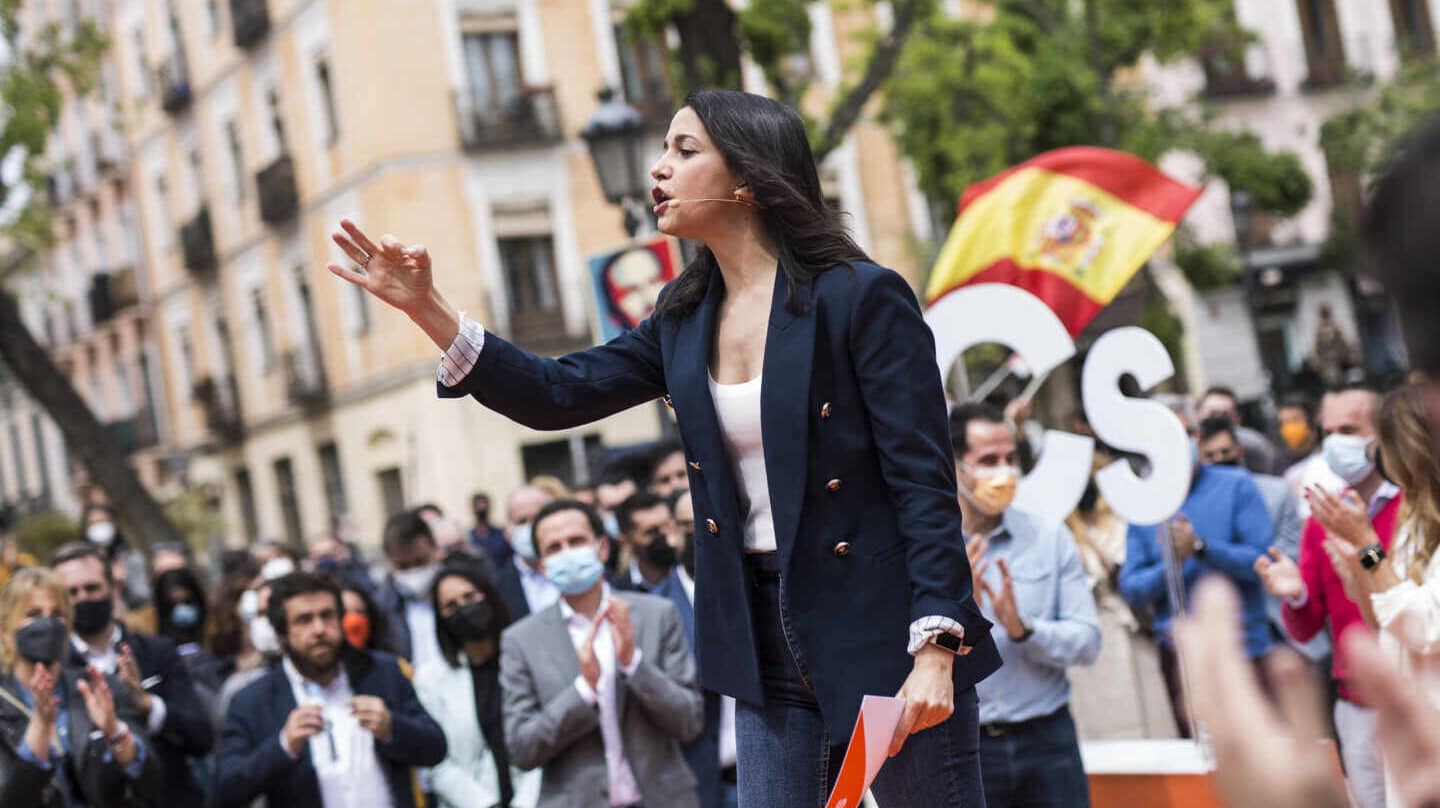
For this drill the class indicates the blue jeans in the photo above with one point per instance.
(786, 759)
(1034, 764)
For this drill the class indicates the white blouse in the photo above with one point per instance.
(737, 406)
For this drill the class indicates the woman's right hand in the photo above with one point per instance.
(398, 274)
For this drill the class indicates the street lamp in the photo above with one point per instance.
(615, 135)
(1242, 209)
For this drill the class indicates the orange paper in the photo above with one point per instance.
(869, 747)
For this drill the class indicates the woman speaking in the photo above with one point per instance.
(830, 562)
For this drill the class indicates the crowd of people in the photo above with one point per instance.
(550, 661)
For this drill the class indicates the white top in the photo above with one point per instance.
(344, 754)
(624, 790)
(424, 645)
(107, 660)
(737, 407)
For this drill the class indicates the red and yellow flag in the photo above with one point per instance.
(1070, 226)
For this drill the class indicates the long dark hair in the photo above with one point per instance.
(765, 143)
(380, 639)
(450, 645)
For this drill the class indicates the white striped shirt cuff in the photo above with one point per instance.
(925, 629)
(464, 351)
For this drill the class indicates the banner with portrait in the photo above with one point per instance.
(628, 280)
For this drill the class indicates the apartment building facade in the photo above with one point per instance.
(188, 299)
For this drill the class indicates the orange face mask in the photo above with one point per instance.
(357, 629)
(1295, 434)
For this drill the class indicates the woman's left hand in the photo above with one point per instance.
(99, 704)
(1344, 517)
(929, 694)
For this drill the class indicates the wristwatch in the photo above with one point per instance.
(949, 642)
(1024, 635)
(1371, 556)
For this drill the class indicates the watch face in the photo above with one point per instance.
(949, 642)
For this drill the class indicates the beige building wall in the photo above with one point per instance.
(393, 158)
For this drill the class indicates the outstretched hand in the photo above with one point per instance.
(396, 273)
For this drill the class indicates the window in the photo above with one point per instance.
(1324, 54)
(289, 500)
(277, 120)
(237, 158)
(334, 482)
(125, 393)
(42, 463)
(392, 493)
(197, 177)
(362, 309)
(142, 70)
(97, 392)
(186, 355)
(266, 342)
(310, 336)
(327, 100)
(492, 66)
(529, 266)
(21, 482)
(246, 492)
(212, 9)
(642, 72)
(162, 212)
(1414, 35)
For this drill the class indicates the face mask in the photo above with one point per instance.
(994, 489)
(660, 553)
(482, 516)
(1347, 456)
(1233, 462)
(249, 605)
(574, 571)
(93, 615)
(357, 629)
(1295, 434)
(185, 615)
(277, 567)
(262, 635)
(42, 641)
(327, 565)
(416, 581)
(101, 533)
(472, 621)
(611, 523)
(523, 540)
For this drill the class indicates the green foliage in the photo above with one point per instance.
(41, 534)
(194, 515)
(1362, 138)
(1158, 319)
(1207, 266)
(772, 32)
(971, 98)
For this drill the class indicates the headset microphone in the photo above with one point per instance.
(676, 202)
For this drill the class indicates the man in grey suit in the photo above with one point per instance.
(1220, 445)
(599, 689)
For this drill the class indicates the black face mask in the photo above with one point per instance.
(93, 615)
(687, 556)
(471, 622)
(43, 641)
(482, 516)
(659, 553)
(1233, 462)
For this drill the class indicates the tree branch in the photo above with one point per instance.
(881, 64)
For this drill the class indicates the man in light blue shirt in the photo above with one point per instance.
(1032, 587)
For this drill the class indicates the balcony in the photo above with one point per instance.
(305, 382)
(197, 243)
(1236, 75)
(111, 293)
(134, 433)
(174, 78)
(279, 198)
(530, 119)
(221, 402)
(251, 20)
(110, 151)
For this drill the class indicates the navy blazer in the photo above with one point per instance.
(857, 451)
(187, 731)
(252, 763)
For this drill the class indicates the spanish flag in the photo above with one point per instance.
(1070, 226)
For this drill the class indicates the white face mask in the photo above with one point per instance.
(416, 581)
(277, 567)
(262, 635)
(101, 533)
(523, 541)
(1349, 457)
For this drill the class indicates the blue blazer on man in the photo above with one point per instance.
(857, 451)
(252, 763)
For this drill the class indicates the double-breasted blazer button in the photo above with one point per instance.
(694, 465)
(711, 526)
(668, 402)
(842, 549)
(825, 410)
(833, 485)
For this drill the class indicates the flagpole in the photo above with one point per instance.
(991, 382)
